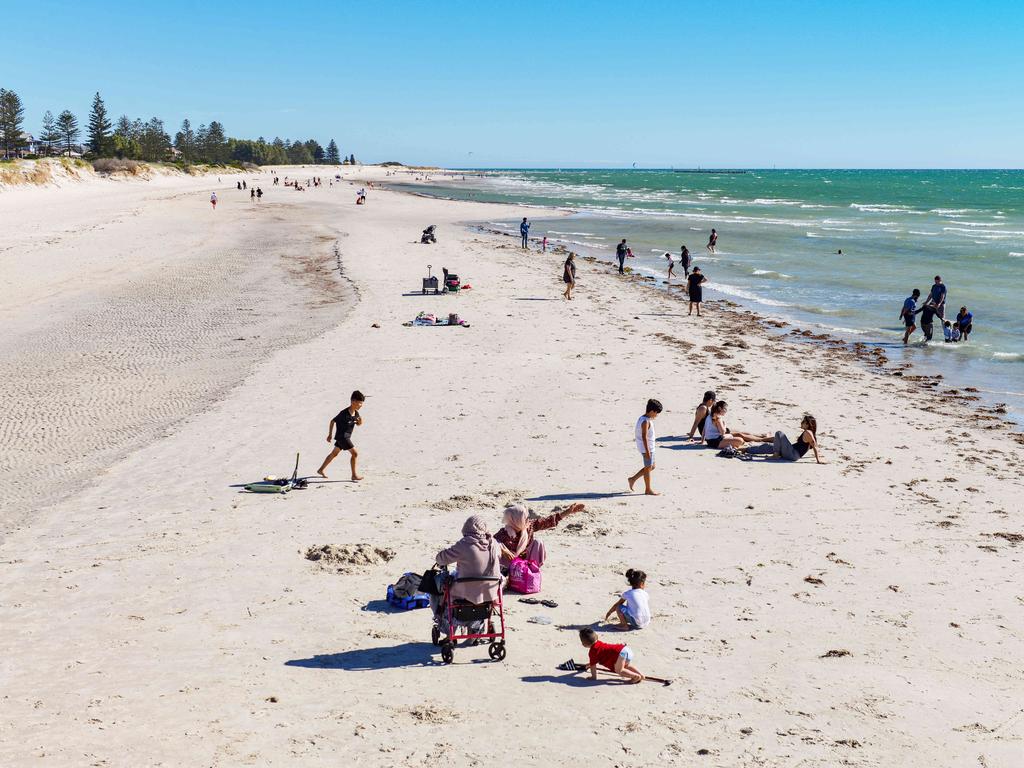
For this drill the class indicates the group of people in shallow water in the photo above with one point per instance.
(709, 427)
(935, 306)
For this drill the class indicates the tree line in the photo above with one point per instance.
(150, 141)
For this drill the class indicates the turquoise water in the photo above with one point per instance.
(779, 234)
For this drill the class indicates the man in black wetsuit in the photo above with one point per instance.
(928, 313)
(620, 254)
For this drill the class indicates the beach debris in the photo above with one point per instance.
(1013, 538)
(539, 620)
(894, 587)
(835, 654)
(344, 557)
(813, 580)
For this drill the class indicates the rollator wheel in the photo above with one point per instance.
(435, 635)
(496, 651)
(447, 653)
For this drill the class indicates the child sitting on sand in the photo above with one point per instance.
(616, 658)
(347, 420)
(633, 608)
(644, 433)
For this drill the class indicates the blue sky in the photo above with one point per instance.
(791, 84)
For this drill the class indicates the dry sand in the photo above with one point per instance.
(156, 354)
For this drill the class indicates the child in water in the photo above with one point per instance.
(616, 658)
(633, 608)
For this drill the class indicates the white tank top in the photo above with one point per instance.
(640, 434)
(710, 430)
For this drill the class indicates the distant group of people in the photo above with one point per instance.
(935, 306)
(709, 427)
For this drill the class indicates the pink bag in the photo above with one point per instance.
(524, 576)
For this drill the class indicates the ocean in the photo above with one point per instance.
(780, 233)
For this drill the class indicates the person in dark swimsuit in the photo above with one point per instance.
(569, 275)
(701, 415)
(693, 282)
(712, 241)
(341, 426)
(620, 254)
(808, 440)
(685, 259)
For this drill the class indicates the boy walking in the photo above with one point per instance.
(341, 427)
(645, 444)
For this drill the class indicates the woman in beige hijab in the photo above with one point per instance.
(475, 555)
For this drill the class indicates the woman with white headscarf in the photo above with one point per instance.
(516, 537)
(476, 555)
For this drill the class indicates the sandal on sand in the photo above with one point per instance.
(529, 600)
(549, 603)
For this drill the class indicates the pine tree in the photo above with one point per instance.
(12, 118)
(185, 141)
(50, 135)
(99, 127)
(156, 144)
(332, 153)
(315, 151)
(216, 143)
(67, 128)
(126, 143)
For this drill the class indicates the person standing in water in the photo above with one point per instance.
(712, 241)
(937, 297)
(620, 253)
(671, 265)
(685, 260)
(341, 427)
(524, 232)
(907, 313)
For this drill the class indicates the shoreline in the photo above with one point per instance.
(860, 611)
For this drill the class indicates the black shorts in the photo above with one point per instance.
(714, 442)
(344, 442)
(908, 320)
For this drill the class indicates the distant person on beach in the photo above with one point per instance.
(252, 194)
(243, 184)
(684, 259)
(620, 253)
(259, 194)
(613, 657)
(544, 244)
(712, 241)
(694, 289)
(671, 265)
(965, 321)
(701, 415)
(937, 297)
(718, 435)
(341, 427)
(908, 312)
(808, 439)
(645, 437)
(633, 609)
(239, 185)
(569, 275)
(213, 200)
(524, 232)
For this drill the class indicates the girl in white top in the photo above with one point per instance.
(644, 434)
(633, 608)
(718, 435)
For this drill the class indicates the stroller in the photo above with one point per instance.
(428, 235)
(451, 281)
(476, 621)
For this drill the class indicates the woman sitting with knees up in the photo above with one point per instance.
(477, 555)
(701, 416)
(516, 538)
(808, 439)
(717, 434)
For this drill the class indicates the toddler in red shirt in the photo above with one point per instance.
(617, 658)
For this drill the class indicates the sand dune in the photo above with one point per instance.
(865, 612)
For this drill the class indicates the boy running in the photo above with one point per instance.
(645, 444)
(345, 422)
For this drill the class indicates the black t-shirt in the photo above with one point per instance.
(927, 314)
(345, 422)
(695, 279)
(620, 250)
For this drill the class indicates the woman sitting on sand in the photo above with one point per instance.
(717, 434)
(701, 416)
(784, 449)
(476, 555)
(516, 538)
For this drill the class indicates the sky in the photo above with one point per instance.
(827, 84)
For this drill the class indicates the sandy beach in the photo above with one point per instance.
(158, 354)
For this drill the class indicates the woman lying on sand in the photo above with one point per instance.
(717, 434)
(808, 438)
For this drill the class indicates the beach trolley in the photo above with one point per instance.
(460, 620)
(430, 283)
